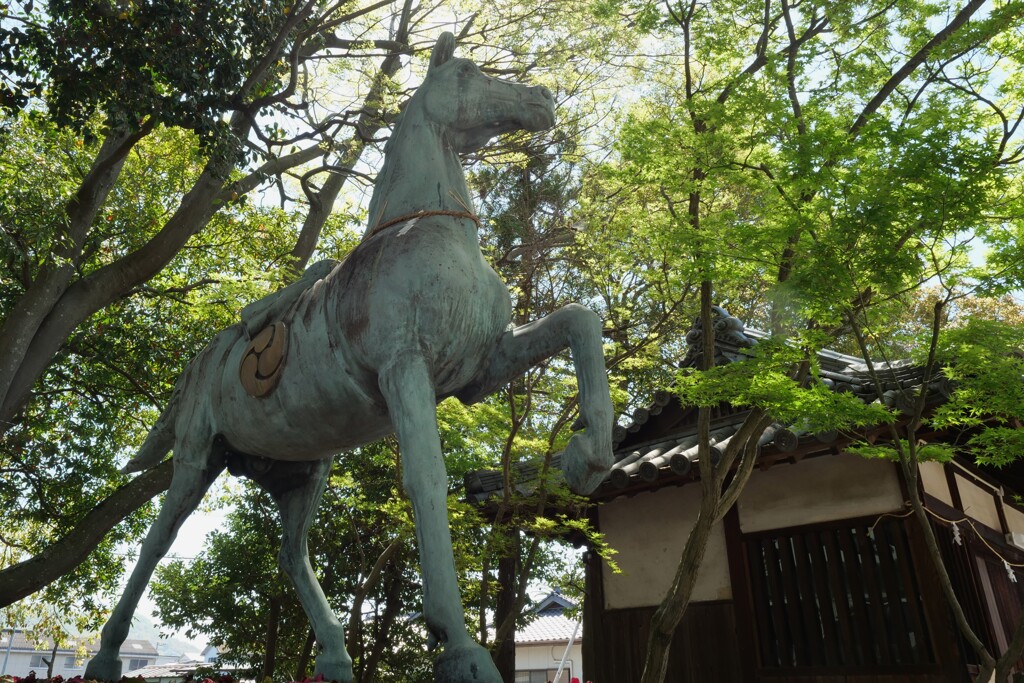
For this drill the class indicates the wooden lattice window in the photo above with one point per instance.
(990, 599)
(837, 596)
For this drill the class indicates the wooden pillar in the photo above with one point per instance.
(594, 646)
(742, 596)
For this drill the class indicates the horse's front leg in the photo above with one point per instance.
(409, 391)
(588, 456)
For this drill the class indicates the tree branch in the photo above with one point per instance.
(915, 61)
(109, 283)
(62, 556)
(356, 619)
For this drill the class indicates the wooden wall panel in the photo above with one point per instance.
(884, 567)
(856, 678)
(705, 647)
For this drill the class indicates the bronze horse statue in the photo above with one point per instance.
(365, 348)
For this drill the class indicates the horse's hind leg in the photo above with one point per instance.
(192, 477)
(588, 456)
(297, 498)
(409, 392)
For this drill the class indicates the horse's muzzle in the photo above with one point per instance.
(540, 109)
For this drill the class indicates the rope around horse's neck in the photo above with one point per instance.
(422, 214)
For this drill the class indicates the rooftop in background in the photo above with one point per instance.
(167, 671)
(550, 625)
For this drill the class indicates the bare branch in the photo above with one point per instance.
(911, 64)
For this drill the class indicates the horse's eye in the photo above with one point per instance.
(466, 70)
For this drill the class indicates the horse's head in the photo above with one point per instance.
(472, 107)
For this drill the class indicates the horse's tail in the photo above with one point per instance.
(159, 441)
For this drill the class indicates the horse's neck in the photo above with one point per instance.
(421, 172)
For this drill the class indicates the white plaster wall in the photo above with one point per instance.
(933, 478)
(649, 531)
(1014, 519)
(18, 664)
(821, 489)
(547, 656)
(979, 503)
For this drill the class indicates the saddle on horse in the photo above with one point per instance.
(266, 324)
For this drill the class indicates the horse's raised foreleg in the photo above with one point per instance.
(190, 482)
(409, 392)
(298, 504)
(588, 456)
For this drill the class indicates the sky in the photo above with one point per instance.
(187, 545)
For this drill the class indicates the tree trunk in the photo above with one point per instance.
(356, 618)
(307, 651)
(108, 284)
(50, 661)
(21, 323)
(270, 651)
(368, 124)
(670, 613)
(355, 624)
(62, 556)
(382, 637)
(504, 652)
(988, 661)
(1013, 652)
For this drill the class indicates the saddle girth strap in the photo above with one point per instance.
(421, 214)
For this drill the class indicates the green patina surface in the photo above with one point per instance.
(414, 315)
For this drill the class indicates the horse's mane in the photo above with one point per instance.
(389, 145)
(388, 148)
(399, 120)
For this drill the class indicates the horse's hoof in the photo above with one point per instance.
(103, 667)
(585, 464)
(334, 668)
(465, 664)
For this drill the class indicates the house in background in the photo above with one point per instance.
(211, 653)
(542, 644)
(20, 656)
(818, 574)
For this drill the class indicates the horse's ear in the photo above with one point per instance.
(443, 50)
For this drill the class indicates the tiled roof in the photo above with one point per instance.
(550, 628)
(136, 647)
(553, 603)
(548, 623)
(172, 670)
(179, 669)
(673, 454)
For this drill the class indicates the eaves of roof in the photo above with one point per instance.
(670, 458)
